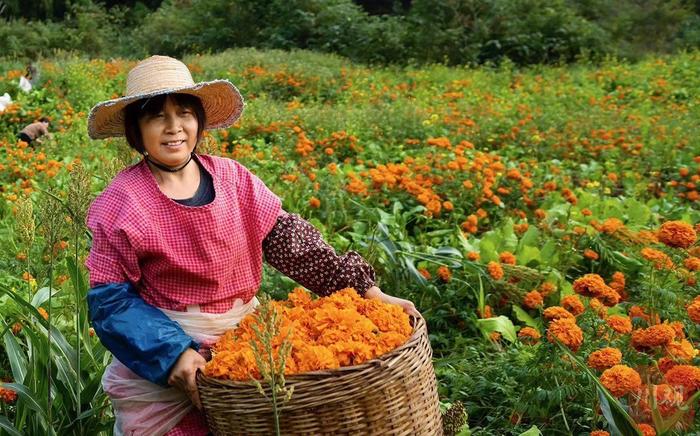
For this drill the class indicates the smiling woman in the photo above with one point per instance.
(185, 234)
(166, 130)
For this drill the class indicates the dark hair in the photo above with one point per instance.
(44, 120)
(152, 106)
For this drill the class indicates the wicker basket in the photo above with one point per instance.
(395, 394)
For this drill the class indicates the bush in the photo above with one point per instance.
(89, 29)
(477, 31)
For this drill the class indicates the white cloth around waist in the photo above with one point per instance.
(145, 408)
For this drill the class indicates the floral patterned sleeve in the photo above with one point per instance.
(296, 249)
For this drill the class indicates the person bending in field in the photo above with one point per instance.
(35, 131)
(178, 244)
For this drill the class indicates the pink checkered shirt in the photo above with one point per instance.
(178, 255)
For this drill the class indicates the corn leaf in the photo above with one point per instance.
(27, 397)
(7, 426)
(16, 356)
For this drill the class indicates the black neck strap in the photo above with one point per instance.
(166, 168)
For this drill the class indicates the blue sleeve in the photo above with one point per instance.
(141, 336)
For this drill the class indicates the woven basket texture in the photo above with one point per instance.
(395, 394)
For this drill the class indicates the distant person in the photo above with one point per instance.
(34, 131)
(29, 79)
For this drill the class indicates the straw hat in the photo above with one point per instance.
(222, 102)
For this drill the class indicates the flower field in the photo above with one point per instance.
(544, 221)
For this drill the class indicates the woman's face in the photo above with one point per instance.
(170, 135)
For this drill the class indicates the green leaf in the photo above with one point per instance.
(523, 316)
(532, 431)
(487, 251)
(528, 254)
(6, 425)
(16, 356)
(529, 238)
(27, 397)
(42, 296)
(448, 251)
(78, 280)
(500, 324)
(548, 254)
(466, 245)
(411, 267)
(509, 242)
(637, 212)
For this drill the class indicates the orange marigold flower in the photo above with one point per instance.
(16, 328)
(487, 313)
(639, 312)
(565, 331)
(681, 350)
(495, 336)
(667, 399)
(590, 254)
(694, 312)
(7, 396)
(314, 202)
(620, 323)
(533, 299)
(586, 212)
(589, 285)
(593, 285)
(677, 234)
(692, 263)
(599, 433)
(495, 270)
(325, 333)
(425, 273)
(618, 277)
(547, 288)
(596, 306)
(621, 380)
(604, 358)
(573, 304)
(666, 363)
(473, 256)
(521, 228)
(507, 258)
(444, 273)
(655, 336)
(646, 429)
(660, 259)
(529, 336)
(43, 313)
(687, 376)
(557, 312)
(611, 225)
(678, 328)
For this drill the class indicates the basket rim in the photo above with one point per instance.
(419, 327)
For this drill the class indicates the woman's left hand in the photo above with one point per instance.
(408, 306)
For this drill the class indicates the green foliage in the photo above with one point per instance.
(455, 32)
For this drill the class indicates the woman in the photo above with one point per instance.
(178, 242)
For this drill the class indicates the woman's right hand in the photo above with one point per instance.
(184, 374)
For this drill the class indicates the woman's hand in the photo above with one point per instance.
(184, 374)
(408, 306)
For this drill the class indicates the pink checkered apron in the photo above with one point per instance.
(183, 259)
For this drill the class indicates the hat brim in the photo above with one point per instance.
(222, 102)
